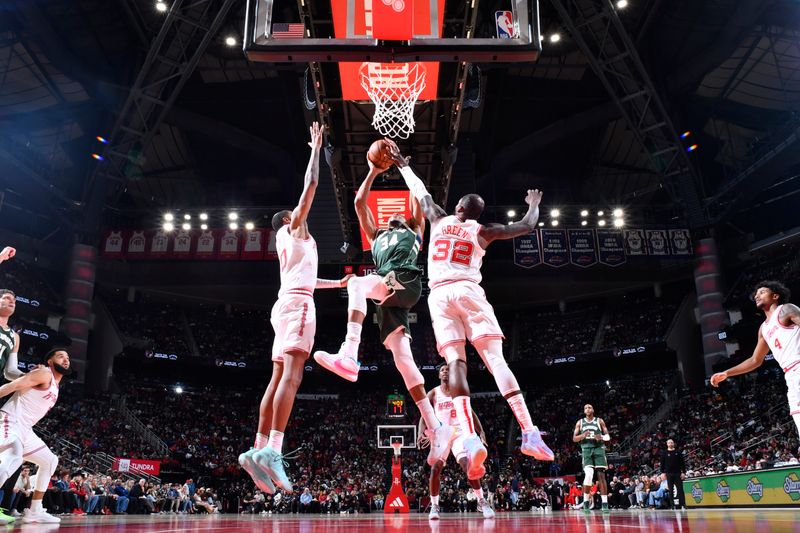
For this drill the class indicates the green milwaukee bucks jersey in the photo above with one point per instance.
(396, 249)
(593, 427)
(6, 345)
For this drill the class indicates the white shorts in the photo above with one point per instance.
(11, 430)
(456, 446)
(294, 319)
(460, 311)
(793, 390)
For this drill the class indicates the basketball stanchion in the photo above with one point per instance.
(396, 501)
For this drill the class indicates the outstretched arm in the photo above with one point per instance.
(748, 365)
(365, 218)
(417, 217)
(300, 213)
(790, 314)
(432, 211)
(34, 378)
(7, 253)
(516, 229)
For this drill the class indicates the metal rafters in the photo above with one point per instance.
(187, 30)
(601, 36)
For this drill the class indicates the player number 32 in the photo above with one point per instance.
(458, 252)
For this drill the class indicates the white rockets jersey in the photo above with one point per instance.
(783, 341)
(454, 253)
(27, 408)
(445, 412)
(299, 262)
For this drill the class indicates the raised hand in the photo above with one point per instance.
(395, 155)
(718, 378)
(7, 253)
(316, 136)
(534, 197)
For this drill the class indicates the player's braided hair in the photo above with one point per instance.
(776, 287)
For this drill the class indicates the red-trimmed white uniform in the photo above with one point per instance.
(784, 342)
(294, 316)
(22, 412)
(458, 305)
(443, 405)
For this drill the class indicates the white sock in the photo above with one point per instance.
(276, 440)
(604, 498)
(464, 413)
(352, 340)
(479, 493)
(261, 441)
(517, 404)
(435, 500)
(428, 414)
(36, 506)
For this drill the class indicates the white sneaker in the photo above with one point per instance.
(533, 445)
(483, 506)
(39, 517)
(476, 455)
(434, 514)
(259, 477)
(15, 513)
(342, 365)
(440, 443)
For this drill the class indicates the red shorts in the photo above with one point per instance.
(294, 319)
(460, 311)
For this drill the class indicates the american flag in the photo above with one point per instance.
(294, 30)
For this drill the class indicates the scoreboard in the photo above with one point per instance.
(396, 406)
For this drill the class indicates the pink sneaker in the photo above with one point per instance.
(533, 445)
(476, 454)
(341, 365)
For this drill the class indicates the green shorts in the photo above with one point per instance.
(392, 313)
(595, 457)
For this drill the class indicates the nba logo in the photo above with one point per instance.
(505, 24)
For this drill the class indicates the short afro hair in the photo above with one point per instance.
(277, 219)
(776, 287)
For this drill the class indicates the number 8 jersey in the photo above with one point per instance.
(454, 253)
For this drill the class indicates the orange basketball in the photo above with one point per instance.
(378, 154)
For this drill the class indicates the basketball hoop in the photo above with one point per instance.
(394, 89)
(397, 446)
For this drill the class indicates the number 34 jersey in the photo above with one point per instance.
(454, 253)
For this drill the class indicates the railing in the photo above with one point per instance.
(600, 336)
(146, 433)
(625, 446)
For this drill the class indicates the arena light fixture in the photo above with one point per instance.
(622, 4)
(186, 226)
(600, 213)
(685, 134)
(203, 216)
(618, 213)
(618, 222)
(541, 224)
(584, 222)
(555, 213)
(692, 148)
(102, 139)
(584, 212)
(233, 226)
(230, 40)
(511, 213)
(203, 227)
(178, 389)
(233, 216)
(555, 37)
(168, 226)
(187, 216)
(98, 157)
(161, 7)
(601, 222)
(554, 222)
(249, 226)
(169, 217)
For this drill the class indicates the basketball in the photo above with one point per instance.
(378, 154)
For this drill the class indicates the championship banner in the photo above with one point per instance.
(680, 241)
(253, 248)
(182, 245)
(228, 244)
(610, 247)
(582, 251)
(635, 242)
(159, 245)
(112, 244)
(527, 253)
(136, 466)
(657, 241)
(754, 488)
(555, 251)
(383, 204)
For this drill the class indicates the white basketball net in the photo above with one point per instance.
(394, 89)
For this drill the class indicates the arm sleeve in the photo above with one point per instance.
(12, 371)
(413, 183)
(328, 284)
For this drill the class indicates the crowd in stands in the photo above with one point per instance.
(156, 323)
(783, 264)
(638, 318)
(549, 333)
(28, 281)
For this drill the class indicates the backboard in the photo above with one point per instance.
(404, 434)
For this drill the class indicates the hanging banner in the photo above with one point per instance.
(680, 242)
(657, 241)
(137, 246)
(206, 245)
(228, 244)
(159, 245)
(112, 244)
(582, 250)
(635, 242)
(526, 250)
(383, 204)
(136, 466)
(253, 248)
(182, 245)
(272, 247)
(555, 251)
(610, 247)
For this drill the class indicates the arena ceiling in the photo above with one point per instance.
(234, 132)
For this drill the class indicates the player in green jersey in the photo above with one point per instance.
(395, 287)
(592, 435)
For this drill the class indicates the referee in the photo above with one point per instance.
(672, 465)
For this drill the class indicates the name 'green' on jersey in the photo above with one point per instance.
(593, 427)
(396, 249)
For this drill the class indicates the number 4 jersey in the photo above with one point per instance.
(454, 253)
(784, 341)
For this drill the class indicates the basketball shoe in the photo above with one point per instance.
(485, 508)
(5, 518)
(434, 513)
(272, 463)
(476, 454)
(260, 478)
(342, 365)
(440, 443)
(39, 517)
(533, 445)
